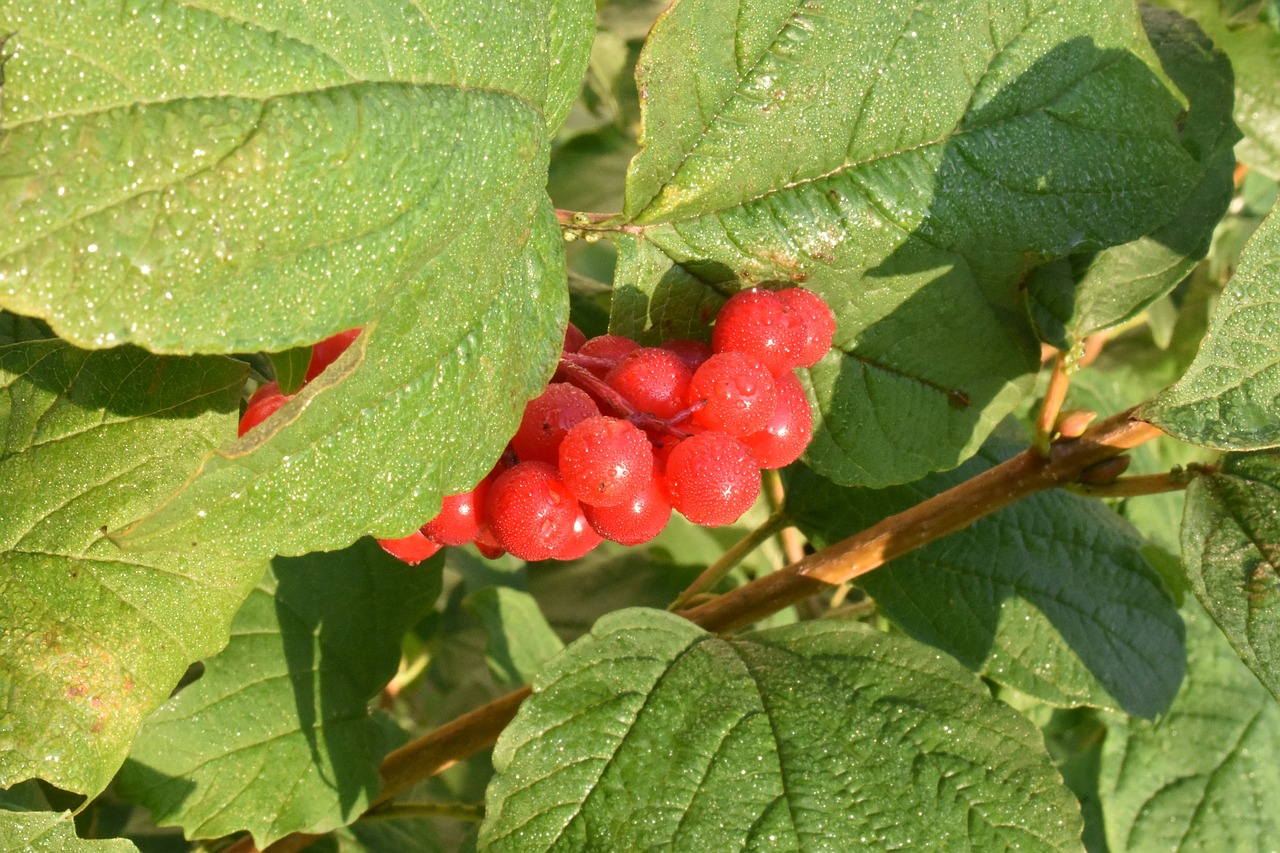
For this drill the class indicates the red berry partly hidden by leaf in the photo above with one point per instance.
(819, 323)
(460, 516)
(760, 324)
(327, 351)
(788, 432)
(636, 520)
(734, 393)
(653, 380)
(604, 461)
(530, 510)
(262, 404)
(412, 549)
(712, 478)
(547, 419)
(573, 338)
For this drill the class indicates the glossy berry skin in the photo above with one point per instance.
(460, 516)
(580, 541)
(653, 380)
(547, 420)
(412, 549)
(788, 432)
(262, 404)
(692, 353)
(760, 324)
(604, 461)
(636, 520)
(530, 510)
(819, 323)
(610, 348)
(486, 543)
(327, 351)
(712, 478)
(734, 393)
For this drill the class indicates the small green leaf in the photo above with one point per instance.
(48, 832)
(317, 639)
(291, 368)
(1051, 596)
(1231, 548)
(651, 733)
(91, 638)
(520, 640)
(1203, 777)
(1229, 398)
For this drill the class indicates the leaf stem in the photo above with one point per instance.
(401, 811)
(1054, 396)
(1141, 484)
(788, 537)
(715, 572)
(579, 222)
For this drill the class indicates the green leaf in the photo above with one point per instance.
(1106, 288)
(913, 210)
(1202, 777)
(1231, 549)
(48, 832)
(419, 407)
(276, 736)
(520, 640)
(1229, 398)
(291, 368)
(1051, 596)
(91, 638)
(651, 733)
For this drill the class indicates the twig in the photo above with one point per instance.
(1054, 396)
(706, 581)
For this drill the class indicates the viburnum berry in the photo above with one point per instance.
(788, 432)
(412, 549)
(581, 539)
(460, 516)
(692, 353)
(262, 404)
(547, 420)
(733, 393)
(635, 520)
(608, 348)
(573, 338)
(760, 324)
(712, 478)
(604, 461)
(818, 319)
(327, 351)
(653, 380)
(530, 510)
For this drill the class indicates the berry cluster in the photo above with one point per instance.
(624, 434)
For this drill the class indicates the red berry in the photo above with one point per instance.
(636, 520)
(530, 510)
(581, 539)
(760, 324)
(734, 393)
(610, 348)
(653, 380)
(712, 478)
(486, 543)
(262, 404)
(788, 432)
(459, 518)
(547, 419)
(604, 461)
(327, 351)
(819, 322)
(412, 549)
(573, 338)
(692, 353)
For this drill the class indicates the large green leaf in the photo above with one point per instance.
(1231, 548)
(91, 638)
(1229, 398)
(49, 832)
(651, 733)
(1051, 596)
(1205, 776)
(276, 736)
(805, 145)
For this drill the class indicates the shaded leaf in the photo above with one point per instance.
(276, 736)
(1231, 549)
(91, 638)
(520, 640)
(1202, 777)
(49, 832)
(817, 735)
(1051, 596)
(1229, 398)
(291, 368)
(913, 210)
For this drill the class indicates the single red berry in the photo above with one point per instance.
(636, 520)
(262, 404)
(734, 393)
(653, 380)
(580, 541)
(530, 510)
(459, 518)
(573, 338)
(412, 549)
(604, 461)
(819, 323)
(692, 353)
(788, 432)
(609, 348)
(760, 324)
(486, 543)
(547, 419)
(712, 478)
(327, 351)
